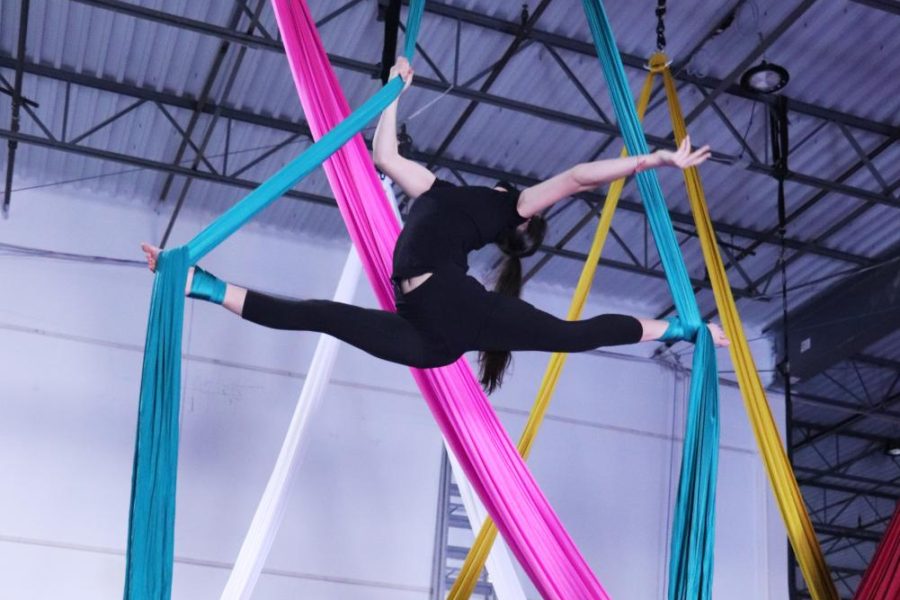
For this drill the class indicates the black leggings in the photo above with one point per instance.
(448, 314)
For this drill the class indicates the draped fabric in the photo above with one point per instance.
(469, 425)
(693, 528)
(270, 511)
(151, 518)
(467, 579)
(501, 571)
(151, 522)
(881, 580)
(781, 476)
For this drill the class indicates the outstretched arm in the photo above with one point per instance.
(587, 176)
(413, 178)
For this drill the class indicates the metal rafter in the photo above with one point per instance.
(840, 428)
(875, 493)
(508, 27)
(843, 465)
(773, 234)
(751, 58)
(28, 105)
(205, 91)
(210, 127)
(16, 103)
(624, 204)
(504, 102)
(841, 405)
(168, 168)
(637, 62)
(497, 68)
(289, 126)
(801, 470)
(336, 13)
(888, 6)
(821, 238)
(847, 532)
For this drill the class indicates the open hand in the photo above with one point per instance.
(683, 157)
(404, 70)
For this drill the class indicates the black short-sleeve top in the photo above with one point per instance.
(447, 222)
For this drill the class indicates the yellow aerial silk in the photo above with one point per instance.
(781, 475)
(784, 484)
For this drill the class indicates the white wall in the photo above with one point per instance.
(360, 522)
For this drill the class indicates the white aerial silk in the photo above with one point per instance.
(500, 567)
(270, 511)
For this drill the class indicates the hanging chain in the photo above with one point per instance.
(661, 25)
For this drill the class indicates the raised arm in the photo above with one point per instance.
(412, 177)
(587, 176)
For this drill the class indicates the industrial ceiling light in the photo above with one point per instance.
(765, 78)
(892, 449)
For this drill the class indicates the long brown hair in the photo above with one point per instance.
(515, 245)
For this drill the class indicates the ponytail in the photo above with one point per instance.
(515, 245)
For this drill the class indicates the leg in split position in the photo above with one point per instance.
(383, 334)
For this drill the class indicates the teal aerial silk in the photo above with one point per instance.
(151, 523)
(693, 528)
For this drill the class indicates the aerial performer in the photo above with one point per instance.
(442, 312)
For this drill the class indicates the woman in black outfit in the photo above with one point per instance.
(441, 311)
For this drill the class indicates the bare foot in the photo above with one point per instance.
(152, 254)
(720, 340)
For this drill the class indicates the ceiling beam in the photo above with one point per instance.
(888, 6)
(16, 103)
(168, 168)
(510, 28)
(495, 72)
(639, 62)
(818, 474)
(844, 406)
(769, 39)
(832, 429)
(849, 489)
(373, 71)
(300, 127)
(847, 532)
(857, 313)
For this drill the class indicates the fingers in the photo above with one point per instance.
(692, 159)
(697, 157)
(403, 69)
(405, 73)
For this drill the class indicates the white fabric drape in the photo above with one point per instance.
(270, 511)
(500, 568)
(271, 507)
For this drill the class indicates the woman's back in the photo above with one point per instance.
(447, 222)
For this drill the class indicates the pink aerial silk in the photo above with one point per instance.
(881, 580)
(506, 487)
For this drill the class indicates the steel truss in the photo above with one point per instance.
(833, 459)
